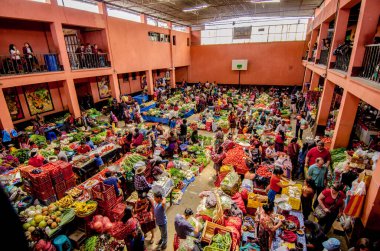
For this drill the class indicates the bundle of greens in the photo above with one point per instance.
(21, 154)
(222, 242)
(338, 155)
(39, 140)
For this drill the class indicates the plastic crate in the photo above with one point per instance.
(117, 212)
(253, 202)
(71, 182)
(107, 206)
(60, 187)
(295, 203)
(42, 187)
(25, 172)
(66, 169)
(45, 195)
(103, 192)
(40, 178)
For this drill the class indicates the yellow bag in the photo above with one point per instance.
(226, 168)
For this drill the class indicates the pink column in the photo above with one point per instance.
(143, 18)
(371, 208)
(59, 43)
(365, 31)
(114, 82)
(71, 95)
(314, 81)
(339, 32)
(306, 79)
(149, 81)
(5, 118)
(322, 35)
(345, 121)
(172, 78)
(325, 103)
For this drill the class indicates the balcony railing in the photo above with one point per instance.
(88, 60)
(343, 60)
(323, 58)
(371, 63)
(312, 59)
(15, 65)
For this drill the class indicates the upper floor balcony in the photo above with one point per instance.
(324, 57)
(371, 63)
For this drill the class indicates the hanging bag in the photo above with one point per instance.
(320, 214)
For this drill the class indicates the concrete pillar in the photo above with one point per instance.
(149, 81)
(339, 32)
(172, 78)
(71, 95)
(322, 35)
(345, 121)
(314, 36)
(59, 43)
(325, 103)
(5, 118)
(115, 88)
(105, 34)
(371, 208)
(365, 31)
(143, 18)
(306, 79)
(314, 81)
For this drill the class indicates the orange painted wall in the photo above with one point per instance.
(57, 95)
(181, 74)
(181, 52)
(95, 37)
(36, 34)
(276, 63)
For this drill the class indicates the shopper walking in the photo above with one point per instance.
(318, 152)
(293, 151)
(183, 131)
(318, 173)
(161, 219)
(308, 192)
(301, 161)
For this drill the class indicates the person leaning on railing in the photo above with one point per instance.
(31, 60)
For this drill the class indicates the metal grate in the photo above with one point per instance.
(371, 63)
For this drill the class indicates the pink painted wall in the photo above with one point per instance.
(276, 63)
(37, 34)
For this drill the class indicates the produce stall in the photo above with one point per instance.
(141, 98)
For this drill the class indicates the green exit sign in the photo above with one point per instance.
(239, 66)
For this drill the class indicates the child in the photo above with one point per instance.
(161, 219)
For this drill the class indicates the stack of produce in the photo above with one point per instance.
(39, 140)
(130, 160)
(7, 163)
(236, 158)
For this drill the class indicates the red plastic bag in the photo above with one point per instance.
(288, 236)
(239, 202)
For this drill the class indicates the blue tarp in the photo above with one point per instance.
(189, 113)
(141, 98)
(165, 120)
(147, 108)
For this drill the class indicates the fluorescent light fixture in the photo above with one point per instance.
(265, 1)
(195, 8)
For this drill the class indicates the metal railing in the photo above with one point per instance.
(26, 64)
(343, 60)
(371, 63)
(324, 56)
(88, 60)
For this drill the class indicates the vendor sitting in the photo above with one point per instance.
(112, 181)
(270, 152)
(141, 184)
(90, 143)
(83, 148)
(157, 167)
(183, 228)
(137, 138)
(60, 154)
(36, 159)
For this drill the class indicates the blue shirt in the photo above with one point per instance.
(182, 227)
(112, 181)
(91, 144)
(317, 174)
(159, 212)
(98, 161)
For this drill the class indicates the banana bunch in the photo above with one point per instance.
(84, 207)
(65, 201)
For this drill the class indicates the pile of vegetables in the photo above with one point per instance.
(99, 138)
(91, 243)
(207, 141)
(235, 157)
(101, 224)
(39, 140)
(21, 154)
(130, 161)
(93, 113)
(7, 163)
(221, 242)
(47, 152)
(78, 136)
(264, 171)
(338, 155)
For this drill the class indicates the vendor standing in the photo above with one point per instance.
(275, 184)
(219, 138)
(141, 184)
(183, 228)
(267, 227)
(112, 181)
(36, 160)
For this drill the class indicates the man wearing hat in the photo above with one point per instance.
(141, 184)
(332, 244)
(36, 159)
